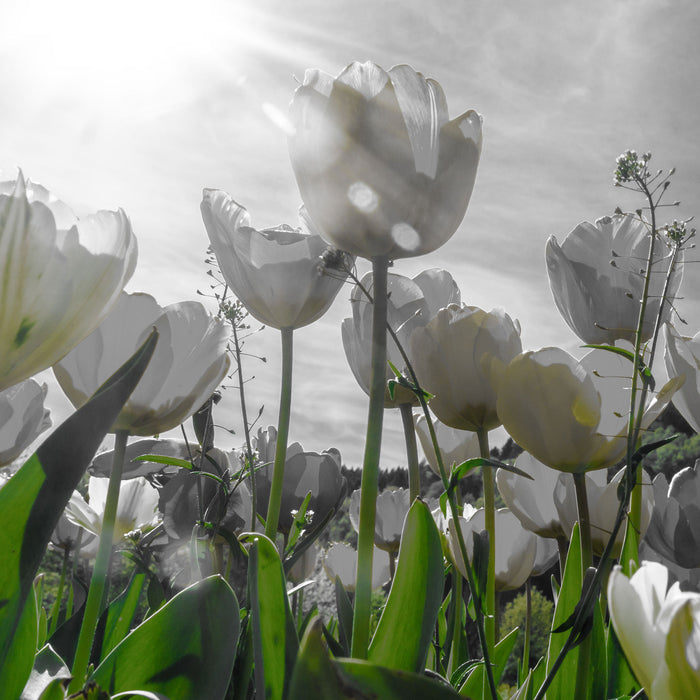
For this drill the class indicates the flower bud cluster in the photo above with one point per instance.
(631, 167)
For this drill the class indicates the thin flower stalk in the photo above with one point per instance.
(409, 431)
(244, 415)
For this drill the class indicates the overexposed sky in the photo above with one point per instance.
(142, 104)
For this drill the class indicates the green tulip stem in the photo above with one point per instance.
(457, 624)
(409, 432)
(369, 486)
(56, 609)
(74, 572)
(273, 508)
(490, 518)
(451, 497)
(584, 521)
(98, 582)
(525, 667)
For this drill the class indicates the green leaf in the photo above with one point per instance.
(564, 682)
(644, 371)
(47, 678)
(32, 501)
(117, 619)
(598, 671)
(621, 680)
(474, 684)
(274, 633)
(345, 615)
(162, 459)
(415, 597)
(184, 650)
(464, 468)
(317, 675)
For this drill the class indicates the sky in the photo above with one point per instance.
(140, 105)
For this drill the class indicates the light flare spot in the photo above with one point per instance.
(405, 235)
(363, 197)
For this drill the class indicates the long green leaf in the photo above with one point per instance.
(563, 685)
(415, 597)
(274, 633)
(184, 650)
(33, 499)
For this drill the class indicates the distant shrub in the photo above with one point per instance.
(514, 616)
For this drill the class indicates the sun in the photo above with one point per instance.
(126, 57)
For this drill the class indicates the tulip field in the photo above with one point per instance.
(192, 572)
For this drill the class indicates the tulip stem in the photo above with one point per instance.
(369, 486)
(584, 521)
(490, 521)
(451, 497)
(98, 582)
(457, 625)
(273, 508)
(56, 609)
(525, 668)
(409, 432)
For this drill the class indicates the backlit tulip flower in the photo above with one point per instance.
(596, 277)
(674, 531)
(184, 497)
(532, 500)
(456, 446)
(341, 561)
(304, 567)
(66, 534)
(602, 507)
(304, 472)
(516, 547)
(392, 507)
(277, 273)
(547, 555)
(571, 415)
(682, 358)
(22, 418)
(381, 169)
(411, 304)
(659, 631)
(137, 509)
(458, 357)
(60, 276)
(189, 361)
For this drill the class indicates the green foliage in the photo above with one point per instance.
(184, 650)
(676, 455)
(31, 503)
(514, 615)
